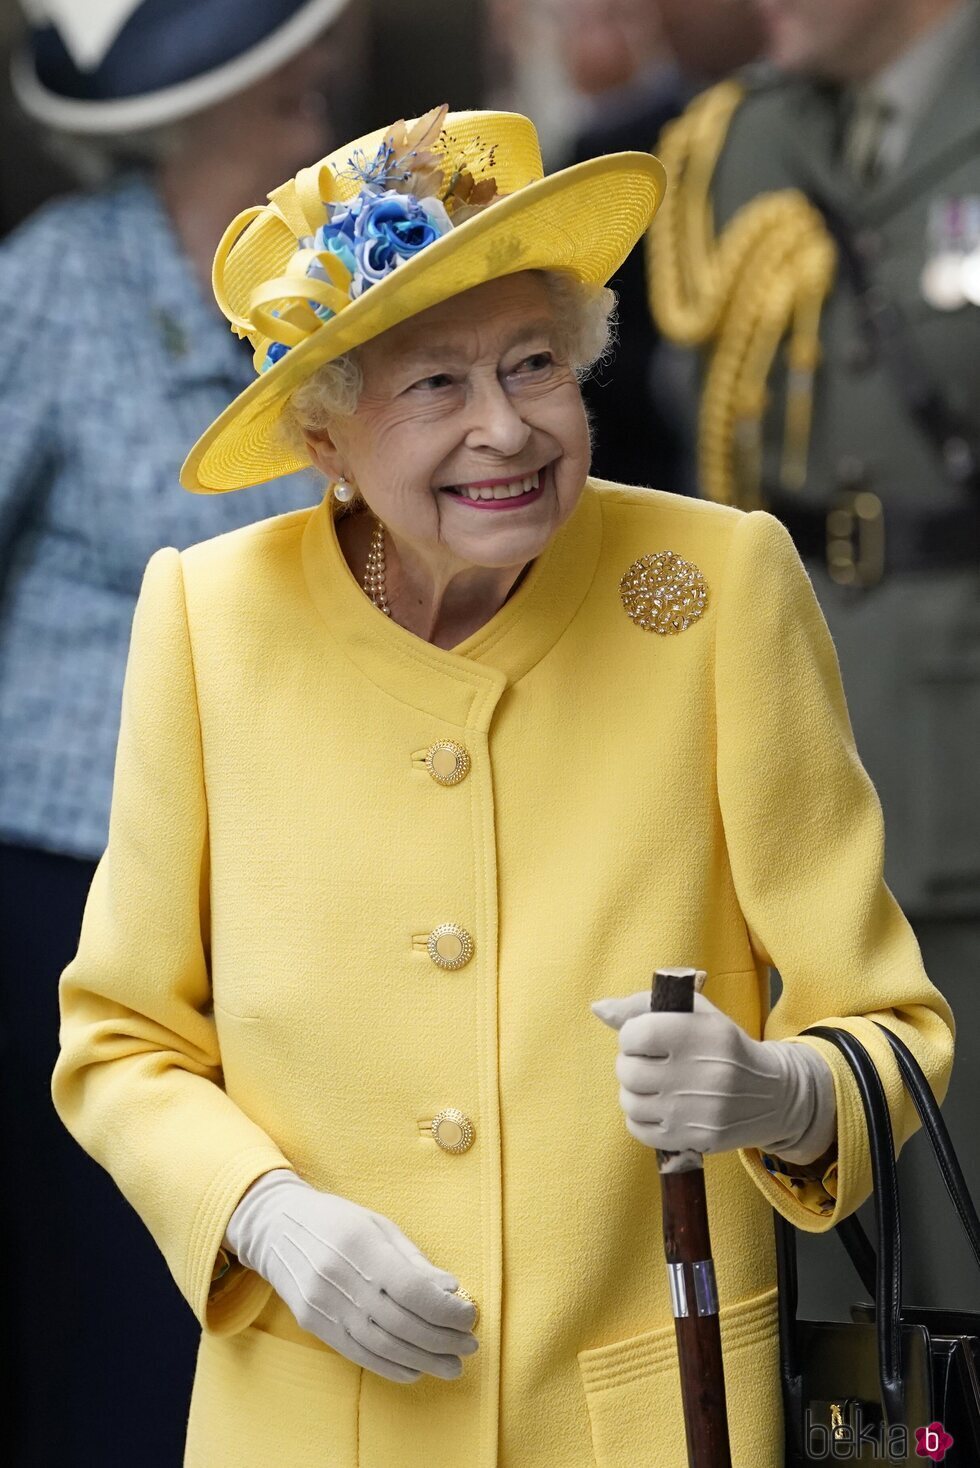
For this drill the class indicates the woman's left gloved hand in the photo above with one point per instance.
(700, 1081)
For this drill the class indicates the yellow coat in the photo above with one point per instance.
(279, 849)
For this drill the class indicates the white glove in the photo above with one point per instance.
(352, 1278)
(700, 1082)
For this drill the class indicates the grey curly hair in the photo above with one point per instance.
(585, 313)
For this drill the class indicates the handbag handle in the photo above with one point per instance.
(888, 1273)
(850, 1230)
(852, 1234)
(935, 1129)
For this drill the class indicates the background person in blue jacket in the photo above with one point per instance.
(112, 358)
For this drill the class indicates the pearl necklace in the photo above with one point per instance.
(375, 576)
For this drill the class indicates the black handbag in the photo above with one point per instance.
(870, 1390)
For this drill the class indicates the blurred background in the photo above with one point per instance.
(825, 369)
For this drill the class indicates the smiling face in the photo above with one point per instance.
(470, 440)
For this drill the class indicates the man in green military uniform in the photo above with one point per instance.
(820, 242)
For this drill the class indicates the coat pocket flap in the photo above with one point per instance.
(256, 1396)
(633, 1392)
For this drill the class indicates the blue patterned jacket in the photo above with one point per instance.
(111, 363)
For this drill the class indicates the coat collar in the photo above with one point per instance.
(812, 149)
(460, 686)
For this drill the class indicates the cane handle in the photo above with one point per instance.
(673, 993)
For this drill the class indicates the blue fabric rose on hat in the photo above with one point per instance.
(371, 234)
(404, 194)
(390, 229)
(375, 232)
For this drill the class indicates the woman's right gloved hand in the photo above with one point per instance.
(351, 1277)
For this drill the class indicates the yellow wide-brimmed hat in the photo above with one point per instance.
(385, 227)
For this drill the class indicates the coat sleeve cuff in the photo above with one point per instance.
(816, 1204)
(224, 1295)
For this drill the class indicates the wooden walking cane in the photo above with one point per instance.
(691, 1269)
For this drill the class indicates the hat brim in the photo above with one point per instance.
(170, 104)
(583, 220)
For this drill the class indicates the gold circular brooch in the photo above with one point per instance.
(663, 593)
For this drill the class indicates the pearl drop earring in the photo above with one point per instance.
(343, 491)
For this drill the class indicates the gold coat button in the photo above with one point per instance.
(452, 1129)
(447, 762)
(450, 946)
(465, 1295)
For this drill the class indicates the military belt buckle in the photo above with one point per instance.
(856, 540)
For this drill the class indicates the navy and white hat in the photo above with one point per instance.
(116, 66)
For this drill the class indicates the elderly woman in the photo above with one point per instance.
(407, 782)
